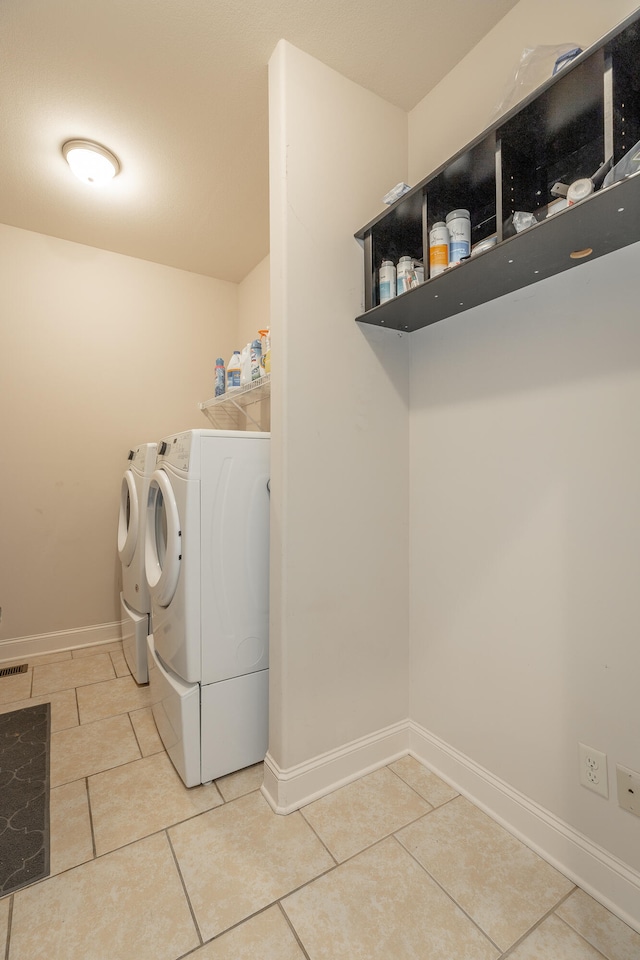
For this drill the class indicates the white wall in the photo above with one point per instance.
(339, 601)
(99, 352)
(253, 304)
(525, 494)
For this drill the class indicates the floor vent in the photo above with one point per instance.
(11, 671)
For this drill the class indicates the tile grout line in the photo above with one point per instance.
(91, 825)
(604, 956)
(552, 911)
(434, 806)
(317, 835)
(9, 925)
(451, 898)
(284, 913)
(184, 887)
(378, 840)
(575, 929)
(133, 727)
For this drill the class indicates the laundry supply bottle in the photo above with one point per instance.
(233, 371)
(264, 334)
(266, 351)
(404, 275)
(256, 359)
(245, 365)
(220, 377)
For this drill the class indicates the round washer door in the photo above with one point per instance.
(162, 552)
(128, 519)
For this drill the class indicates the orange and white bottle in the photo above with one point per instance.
(438, 248)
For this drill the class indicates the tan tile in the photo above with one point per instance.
(129, 904)
(381, 905)
(267, 936)
(110, 698)
(236, 784)
(56, 657)
(4, 923)
(265, 856)
(596, 924)
(146, 731)
(71, 841)
(554, 939)
(71, 673)
(91, 748)
(155, 798)
(64, 710)
(15, 688)
(39, 659)
(423, 781)
(496, 879)
(97, 649)
(120, 665)
(364, 812)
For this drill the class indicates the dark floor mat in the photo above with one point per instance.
(24, 796)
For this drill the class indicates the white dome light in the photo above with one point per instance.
(90, 162)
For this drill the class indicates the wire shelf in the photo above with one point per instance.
(231, 410)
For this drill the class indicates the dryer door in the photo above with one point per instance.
(163, 540)
(128, 519)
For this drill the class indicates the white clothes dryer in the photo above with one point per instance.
(207, 567)
(135, 603)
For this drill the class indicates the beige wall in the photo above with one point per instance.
(465, 101)
(253, 304)
(525, 496)
(339, 600)
(99, 352)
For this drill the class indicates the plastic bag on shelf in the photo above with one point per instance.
(536, 65)
(627, 167)
(396, 192)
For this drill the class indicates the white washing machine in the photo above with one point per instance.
(207, 567)
(135, 603)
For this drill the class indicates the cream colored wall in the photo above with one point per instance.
(525, 495)
(465, 101)
(339, 495)
(253, 303)
(99, 352)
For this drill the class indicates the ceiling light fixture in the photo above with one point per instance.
(90, 162)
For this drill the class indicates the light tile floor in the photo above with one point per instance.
(395, 865)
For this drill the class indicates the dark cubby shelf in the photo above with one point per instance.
(585, 116)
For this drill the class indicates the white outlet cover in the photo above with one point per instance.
(593, 770)
(628, 789)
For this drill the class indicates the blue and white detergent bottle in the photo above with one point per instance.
(233, 371)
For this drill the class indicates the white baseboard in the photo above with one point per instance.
(25, 647)
(288, 790)
(606, 878)
(600, 874)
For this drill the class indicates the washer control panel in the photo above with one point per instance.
(176, 450)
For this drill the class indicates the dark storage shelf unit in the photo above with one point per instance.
(586, 116)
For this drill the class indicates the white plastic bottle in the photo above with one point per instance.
(404, 274)
(245, 364)
(387, 281)
(233, 371)
(438, 248)
(459, 224)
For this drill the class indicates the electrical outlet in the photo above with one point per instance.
(593, 770)
(628, 789)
